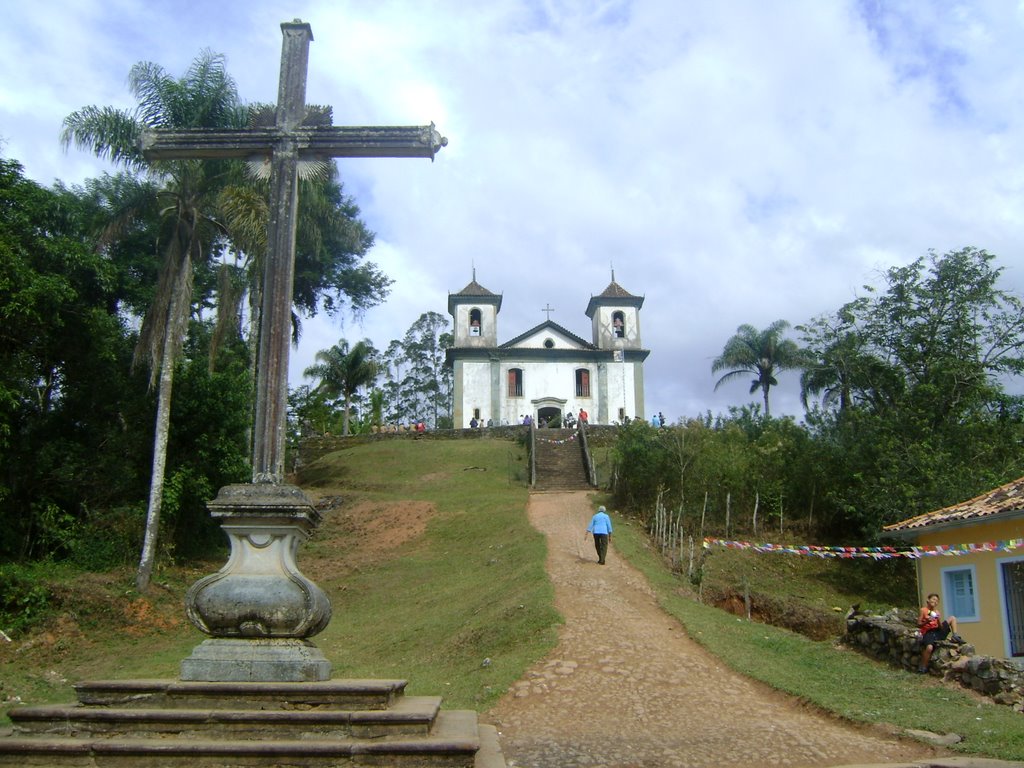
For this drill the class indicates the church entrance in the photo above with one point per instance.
(549, 417)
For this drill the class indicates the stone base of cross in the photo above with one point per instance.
(259, 609)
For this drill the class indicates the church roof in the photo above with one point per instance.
(474, 292)
(475, 289)
(614, 290)
(1004, 502)
(613, 295)
(549, 325)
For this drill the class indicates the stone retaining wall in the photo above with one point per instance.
(893, 637)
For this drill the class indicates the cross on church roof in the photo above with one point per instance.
(548, 308)
(296, 135)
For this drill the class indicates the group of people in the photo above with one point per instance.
(658, 420)
(419, 426)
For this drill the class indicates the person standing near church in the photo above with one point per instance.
(601, 529)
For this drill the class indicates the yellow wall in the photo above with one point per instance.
(985, 634)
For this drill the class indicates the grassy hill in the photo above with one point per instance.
(436, 577)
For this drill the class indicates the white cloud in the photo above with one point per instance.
(735, 162)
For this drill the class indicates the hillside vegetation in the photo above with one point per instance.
(436, 577)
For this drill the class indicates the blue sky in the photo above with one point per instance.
(735, 162)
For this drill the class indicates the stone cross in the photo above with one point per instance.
(548, 308)
(259, 608)
(290, 140)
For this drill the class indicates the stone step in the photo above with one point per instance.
(410, 715)
(169, 694)
(453, 742)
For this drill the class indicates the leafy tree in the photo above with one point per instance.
(761, 353)
(67, 402)
(343, 371)
(205, 97)
(926, 421)
(428, 383)
(417, 384)
(213, 208)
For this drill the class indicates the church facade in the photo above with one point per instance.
(547, 371)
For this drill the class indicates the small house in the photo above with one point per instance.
(972, 555)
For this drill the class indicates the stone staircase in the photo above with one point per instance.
(174, 723)
(559, 461)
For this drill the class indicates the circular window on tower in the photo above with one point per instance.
(549, 343)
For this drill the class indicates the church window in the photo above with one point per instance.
(515, 382)
(549, 343)
(618, 324)
(474, 322)
(582, 382)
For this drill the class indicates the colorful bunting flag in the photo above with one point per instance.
(875, 553)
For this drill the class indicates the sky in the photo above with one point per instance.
(733, 162)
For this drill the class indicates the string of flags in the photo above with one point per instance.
(875, 553)
(568, 439)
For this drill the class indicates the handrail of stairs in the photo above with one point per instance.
(533, 453)
(588, 459)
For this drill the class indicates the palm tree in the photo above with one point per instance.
(342, 371)
(841, 366)
(761, 353)
(187, 194)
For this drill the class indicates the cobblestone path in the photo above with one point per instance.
(626, 687)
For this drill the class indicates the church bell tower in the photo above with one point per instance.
(474, 312)
(615, 316)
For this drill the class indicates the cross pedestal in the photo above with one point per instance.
(259, 609)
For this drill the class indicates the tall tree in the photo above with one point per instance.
(428, 382)
(205, 97)
(842, 366)
(65, 395)
(343, 371)
(761, 353)
(925, 360)
(216, 207)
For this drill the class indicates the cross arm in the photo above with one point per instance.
(324, 142)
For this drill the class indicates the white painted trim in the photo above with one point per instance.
(1004, 613)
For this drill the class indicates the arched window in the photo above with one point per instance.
(618, 324)
(582, 382)
(515, 382)
(474, 322)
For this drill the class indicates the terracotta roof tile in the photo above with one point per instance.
(1004, 499)
(475, 289)
(615, 291)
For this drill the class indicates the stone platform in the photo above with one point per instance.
(171, 722)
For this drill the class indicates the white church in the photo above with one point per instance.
(547, 370)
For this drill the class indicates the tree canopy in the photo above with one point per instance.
(760, 353)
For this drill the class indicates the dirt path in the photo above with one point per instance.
(627, 687)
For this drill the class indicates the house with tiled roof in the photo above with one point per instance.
(547, 371)
(975, 562)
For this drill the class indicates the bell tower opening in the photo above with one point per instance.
(618, 324)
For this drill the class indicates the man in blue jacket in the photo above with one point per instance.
(601, 527)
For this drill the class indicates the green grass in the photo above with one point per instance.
(839, 681)
(472, 589)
